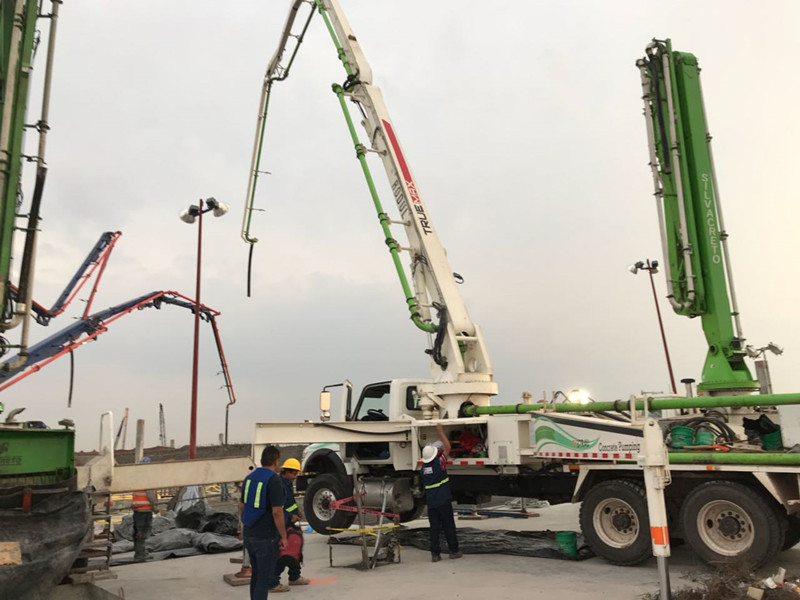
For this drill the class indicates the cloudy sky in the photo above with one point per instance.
(523, 124)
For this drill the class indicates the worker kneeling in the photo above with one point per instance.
(292, 556)
(438, 496)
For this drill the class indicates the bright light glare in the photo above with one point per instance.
(579, 396)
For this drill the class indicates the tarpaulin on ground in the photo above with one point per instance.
(192, 517)
(179, 542)
(124, 531)
(540, 544)
(222, 523)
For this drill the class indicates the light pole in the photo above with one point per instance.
(190, 215)
(652, 267)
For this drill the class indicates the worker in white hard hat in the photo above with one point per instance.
(292, 556)
(438, 495)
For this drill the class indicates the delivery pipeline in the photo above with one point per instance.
(624, 405)
(734, 458)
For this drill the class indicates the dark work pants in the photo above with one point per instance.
(441, 517)
(142, 525)
(294, 573)
(263, 556)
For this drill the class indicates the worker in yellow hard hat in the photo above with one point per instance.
(292, 556)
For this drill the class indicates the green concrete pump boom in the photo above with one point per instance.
(20, 41)
(699, 280)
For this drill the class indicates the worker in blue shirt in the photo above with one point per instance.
(438, 496)
(264, 529)
(291, 557)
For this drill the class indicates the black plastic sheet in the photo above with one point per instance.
(124, 531)
(45, 558)
(541, 544)
(179, 542)
(222, 523)
(193, 517)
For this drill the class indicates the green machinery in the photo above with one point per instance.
(29, 456)
(694, 239)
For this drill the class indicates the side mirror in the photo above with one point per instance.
(325, 405)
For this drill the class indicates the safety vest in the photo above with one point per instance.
(254, 495)
(436, 482)
(140, 501)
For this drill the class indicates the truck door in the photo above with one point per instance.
(373, 405)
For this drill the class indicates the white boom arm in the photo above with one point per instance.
(460, 364)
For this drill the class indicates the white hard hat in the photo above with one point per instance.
(438, 445)
(429, 453)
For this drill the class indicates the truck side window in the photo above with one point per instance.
(412, 400)
(374, 403)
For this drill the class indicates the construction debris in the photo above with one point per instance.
(735, 582)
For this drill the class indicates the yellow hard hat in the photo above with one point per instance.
(291, 463)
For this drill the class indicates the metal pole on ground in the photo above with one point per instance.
(656, 477)
(361, 522)
(139, 452)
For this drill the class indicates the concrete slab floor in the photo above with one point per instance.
(474, 577)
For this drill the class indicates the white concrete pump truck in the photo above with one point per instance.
(725, 502)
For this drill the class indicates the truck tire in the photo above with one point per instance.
(724, 521)
(615, 522)
(792, 532)
(321, 491)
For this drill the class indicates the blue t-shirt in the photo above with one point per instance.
(261, 491)
(436, 482)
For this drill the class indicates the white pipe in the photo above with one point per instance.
(649, 115)
(273, 66)
(723, 234)
(685, 246)
(48, 79)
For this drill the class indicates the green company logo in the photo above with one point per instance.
(548, 433)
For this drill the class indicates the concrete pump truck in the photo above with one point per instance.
(726, 503)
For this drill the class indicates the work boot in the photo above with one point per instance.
(298, 581)
(281, 588)
(456, 554)
(435, 557)
(144, 558)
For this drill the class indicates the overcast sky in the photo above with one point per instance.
(523, 124)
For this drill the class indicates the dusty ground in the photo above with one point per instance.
(474, 577)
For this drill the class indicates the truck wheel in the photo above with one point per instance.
(792, 532)
(615, 522)
(725, 521)
(321, 491)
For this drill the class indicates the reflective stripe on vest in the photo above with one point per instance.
(435, 485)
(289, 509)
(257, 503)
(246, 489)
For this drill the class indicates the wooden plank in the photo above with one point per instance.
(10, 554)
